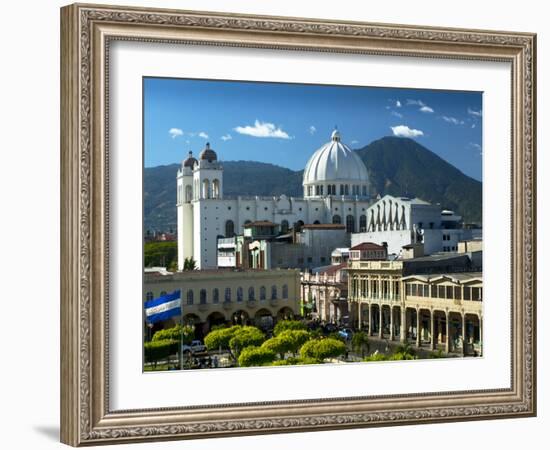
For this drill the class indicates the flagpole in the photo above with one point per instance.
(181, 341)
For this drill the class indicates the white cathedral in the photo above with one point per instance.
(336, 191)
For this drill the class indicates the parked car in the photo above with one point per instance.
(194, 347)
(346, 333)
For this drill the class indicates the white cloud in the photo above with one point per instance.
(473, 125)
(476, 146)
(396, 114)
(312, 129)
(263, 130)
(415, 102)
(474, 113)
(398, 104)
(226, 137)
(426, 109)
(405, 131)
(175, 132)
(355, 141)
(203, 135)
(452, 120)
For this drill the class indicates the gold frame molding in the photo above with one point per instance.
(86, 31)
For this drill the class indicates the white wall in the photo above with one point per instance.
(29, 111)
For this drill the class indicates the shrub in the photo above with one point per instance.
(154, 351)
(245, 336)
(287, 341)
(175, 333)
(321, 349)
(284, 325)
(256, 356)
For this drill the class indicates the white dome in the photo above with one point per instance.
(335, 161)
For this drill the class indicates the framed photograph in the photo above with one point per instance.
(281, 224)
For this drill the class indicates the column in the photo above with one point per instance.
(418, 328)
(480, 335)
(359, 316)
(447, 336)
(381, 321)
(463, 316)
(403, 327)
(370, 319)
(391, 323)
(432, 330)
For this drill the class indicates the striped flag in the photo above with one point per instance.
(164, 307)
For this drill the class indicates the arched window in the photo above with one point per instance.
(273, 292)
(229, 229)
(216, 188)
(298, 225)
(364, 190)
(285, 291)
(239, 294)
(190, 297)
(149, 296)
(362, 223)
(205, 188)
(317, 190)
(188, 193)
(216, 295)
(251, 295)
(336, 219)
(316, 222)
(284, 226)
(350, 224)
(321, 190)
(227, 297)
(342, 189)
(262, 293)
(346, 189)
(203, 296)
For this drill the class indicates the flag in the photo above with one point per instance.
(164, 307)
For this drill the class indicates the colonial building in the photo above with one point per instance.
(335, 189)
(325, 293)
(433, 300)
(213, 297)
(401, 221)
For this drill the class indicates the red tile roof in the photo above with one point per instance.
(368, 246)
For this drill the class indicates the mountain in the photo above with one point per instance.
(402, 167)
(239, 178)
(397, 166)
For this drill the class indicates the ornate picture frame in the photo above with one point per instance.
(86, 34)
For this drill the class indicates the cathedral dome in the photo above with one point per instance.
(335, 162)
(190, 161)
(208, 154)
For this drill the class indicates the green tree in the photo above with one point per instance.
(321, 349)
(184, 334)
(189, 264)
(360, 343)
(245, 336)
(219, 339)
(284, 325)
(162, 253)
(154, 351)
(256, 356)
(287, 341)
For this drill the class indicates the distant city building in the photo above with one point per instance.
(261, 247)
(335, 189)
(215, 297)
(368, 251)
(401, 221)
(339, 255)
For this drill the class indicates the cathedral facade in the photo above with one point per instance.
(335, 190)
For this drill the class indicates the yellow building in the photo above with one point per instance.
(437, 310)
(214, 297)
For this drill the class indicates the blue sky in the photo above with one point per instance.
(284, 124)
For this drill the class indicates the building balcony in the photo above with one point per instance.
(227, 305)
(274, 302)
(251, 303)
(204, 307)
